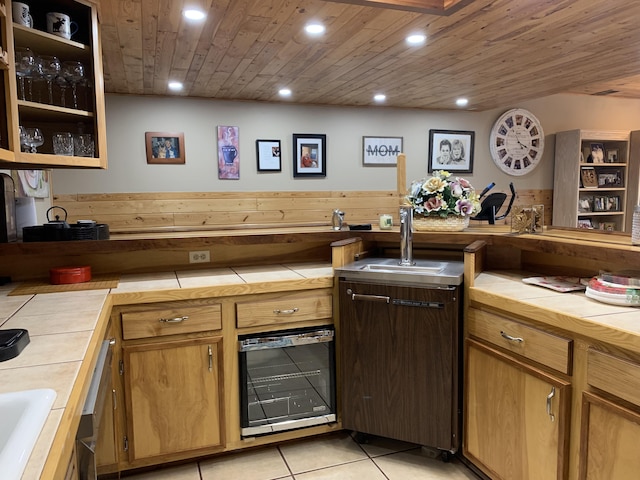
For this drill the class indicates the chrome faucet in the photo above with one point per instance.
(406, 235)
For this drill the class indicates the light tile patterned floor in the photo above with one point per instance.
(330, 457)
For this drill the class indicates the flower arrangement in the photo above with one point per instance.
(442, 196)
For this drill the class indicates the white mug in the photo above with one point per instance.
(21, 14)
(61, 25)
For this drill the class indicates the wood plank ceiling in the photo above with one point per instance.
(496, 53)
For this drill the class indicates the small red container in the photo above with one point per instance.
(66, 275)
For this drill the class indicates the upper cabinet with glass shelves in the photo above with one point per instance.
(54, 86)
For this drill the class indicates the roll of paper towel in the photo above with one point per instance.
(25, 213)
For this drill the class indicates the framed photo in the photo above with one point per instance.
(585, 223)
(451, 150)
(309, 155)
(228, 153)
(607, 226)
(381, 151)
(268, 155)
(610, 178)
(165, 148)
(596, 154)
(585, 204)
(612, 156)
(588, 177)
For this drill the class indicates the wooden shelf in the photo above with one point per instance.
(43, 111)
(47, 44)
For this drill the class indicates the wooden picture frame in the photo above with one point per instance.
(588, 177)
(381, 151)
(165, 148)
(309, 155)
(268, 155)
(451, 150)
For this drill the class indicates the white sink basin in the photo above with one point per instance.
(22, 416)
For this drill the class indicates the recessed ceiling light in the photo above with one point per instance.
(416, 39)
(462, 102)
(380, 97)
(284, 92)
(193, 14)
(175, 86)
(314, 28)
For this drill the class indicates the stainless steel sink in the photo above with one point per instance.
(389, 271)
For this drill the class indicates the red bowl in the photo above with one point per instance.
(66, 275)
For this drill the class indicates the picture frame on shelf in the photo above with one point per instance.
(268, 155)
(451, 150)
(596, 153)
(588, 177)
(381, 151)
(165, 148)
(610, 178)
(612, 156)
(585, 223)
(607, 226)
(585, 204)
(309, 155)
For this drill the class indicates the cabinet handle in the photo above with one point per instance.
(112, 341)
(549, 398)
(365, 297)
(510, 338)
(210, 358)
(115, 399)
(174, 319)
(291, 311)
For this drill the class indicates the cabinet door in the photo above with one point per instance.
(516, 419)
(609, 440)
(173, 396)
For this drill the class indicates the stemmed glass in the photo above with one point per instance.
(73, 72)
(25, 66)
(49, 68)
(31, 137)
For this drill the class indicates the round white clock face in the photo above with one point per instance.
(517, 142)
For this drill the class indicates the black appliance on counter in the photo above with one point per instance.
(60, 230)
(8, 230)
(287, 380)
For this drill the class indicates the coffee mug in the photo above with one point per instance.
(61, 25)
(229, 153)
(21, 14)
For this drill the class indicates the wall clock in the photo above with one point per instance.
(517, 142)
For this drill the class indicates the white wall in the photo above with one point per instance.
(129, 117)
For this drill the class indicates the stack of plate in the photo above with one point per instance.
(616, 289)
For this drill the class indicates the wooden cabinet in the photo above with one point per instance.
(610, 418)
(516, 412)
(83, 112)
(172, 371)
(593, 187)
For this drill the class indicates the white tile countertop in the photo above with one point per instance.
(61, 325)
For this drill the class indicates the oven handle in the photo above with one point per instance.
(281, 341)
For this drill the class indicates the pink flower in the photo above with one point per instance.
(464, 207)
(433, 204)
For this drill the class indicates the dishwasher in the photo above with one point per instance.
(400, 362)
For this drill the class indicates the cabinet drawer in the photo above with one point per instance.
(286, 309)
(171, 321)
(614, 375)
(530, 342)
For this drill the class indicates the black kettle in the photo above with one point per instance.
(56, 229)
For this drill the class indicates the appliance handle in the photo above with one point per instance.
(281, 341)
(368, 298)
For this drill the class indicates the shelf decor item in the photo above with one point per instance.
(442, 202)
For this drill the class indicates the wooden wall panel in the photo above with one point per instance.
(125, 212)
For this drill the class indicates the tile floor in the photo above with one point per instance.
(334, 456)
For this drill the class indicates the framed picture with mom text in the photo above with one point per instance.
(451, 150)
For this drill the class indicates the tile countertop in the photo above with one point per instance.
(61, 325)
(573, 312)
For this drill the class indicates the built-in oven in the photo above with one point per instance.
(287, 380)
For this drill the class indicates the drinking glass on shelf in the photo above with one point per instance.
(25, 66)
(63, 143)
(73, 72)
(83, 145)
(49, 68)
(31, 137)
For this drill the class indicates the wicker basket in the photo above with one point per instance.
(452, 223)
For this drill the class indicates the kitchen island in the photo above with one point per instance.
(561, 252)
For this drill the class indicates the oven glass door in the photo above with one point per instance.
(287, 380)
